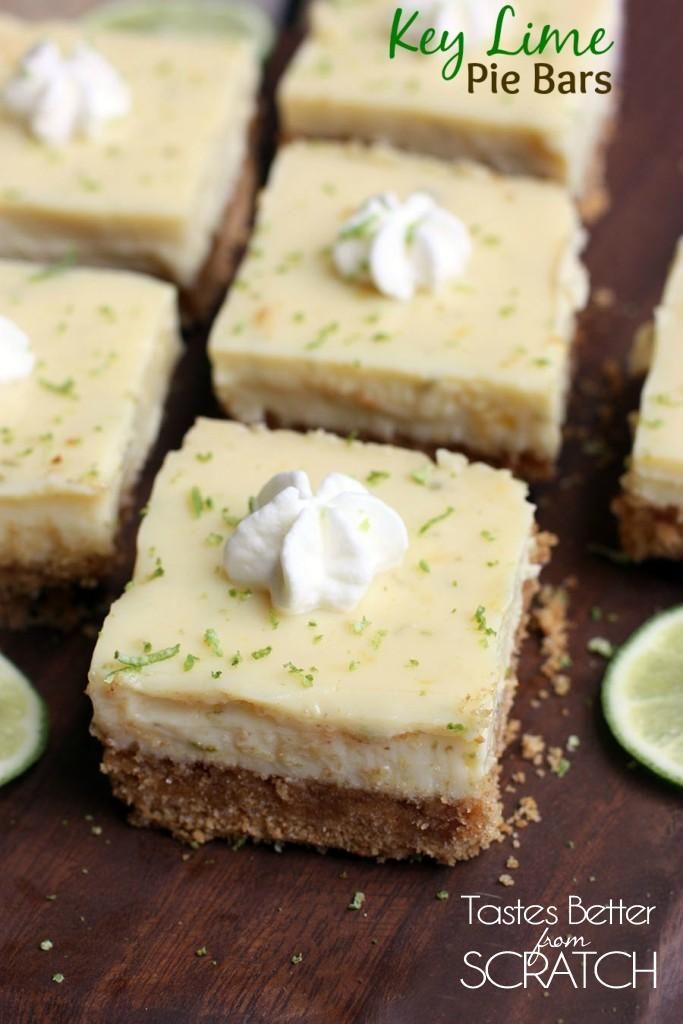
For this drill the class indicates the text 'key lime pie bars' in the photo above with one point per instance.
(318, 645)
(650, 509)
(379, 70)
(402, 297)
(103, 153)
(85, 363)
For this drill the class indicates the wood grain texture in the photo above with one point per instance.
(132, 907)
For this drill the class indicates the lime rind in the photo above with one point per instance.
(23, 723)
(642, 696)
(209, 18)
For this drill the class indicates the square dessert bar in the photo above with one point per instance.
(342, 84)
(375, 730)
(166, 189)
(76, 430)
(650, 510)
(482, 363)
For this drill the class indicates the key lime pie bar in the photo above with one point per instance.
(402, 297)
(650, 509)
(319, 644)
(104, 154)
(342, 83)
(85, 362)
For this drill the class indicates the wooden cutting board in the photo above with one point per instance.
(127, 910)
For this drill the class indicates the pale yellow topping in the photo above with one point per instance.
(657, 469)
(426, 650)
(66, 429)
(342, 78)
(154, 179)
(492, 346)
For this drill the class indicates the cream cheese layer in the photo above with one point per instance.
(76, 430)
(149, 190)
(481, 362)
(656, 472)
(402, 694)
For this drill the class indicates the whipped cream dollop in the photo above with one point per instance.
(474, 18)
(315, 550)
(402, 247)
(60, 97)
(16, 358)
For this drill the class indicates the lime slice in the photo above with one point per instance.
(642, 695)
(23, 722)
(186, 17)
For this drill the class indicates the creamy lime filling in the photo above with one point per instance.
(238, 734)
(484, 416)
(411, 106)
(224, 167)
(484, 362)
(44, 521)
(404, 692)
(132, 194)
(175, 249)
(656, 473)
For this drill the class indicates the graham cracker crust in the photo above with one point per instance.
(649, 531)
(58, 594)
(198, 802)
(61, 593)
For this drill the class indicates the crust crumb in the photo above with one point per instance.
(550, 617)
(604, 298)
(527, 812)
(557, 762)
(648, 531)
(533, 748)
(513, 730)
(561, 684)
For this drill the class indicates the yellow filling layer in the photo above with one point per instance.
(399, 694)
(483, 362)
(74, 434)
(657, 467)
(342, 83)
(148, 193)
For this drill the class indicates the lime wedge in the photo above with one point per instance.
(186, 17)
(642, 695)
(23, 722)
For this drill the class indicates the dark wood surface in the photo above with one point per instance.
(132, 907)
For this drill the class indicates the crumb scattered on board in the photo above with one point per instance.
(604, 298)
(550, 617)
(550, 620)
